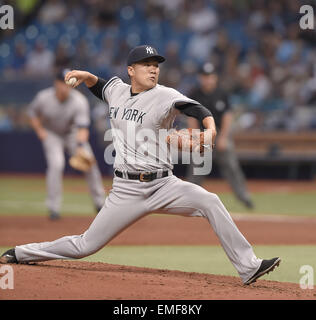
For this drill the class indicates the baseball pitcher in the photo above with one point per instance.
(60, 117)
(143, 180)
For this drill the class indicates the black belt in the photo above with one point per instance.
(144, 176)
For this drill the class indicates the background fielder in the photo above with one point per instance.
(60, 117)
(146, 185)
(216, 100)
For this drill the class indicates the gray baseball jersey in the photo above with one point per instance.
(61, 121)
(60, 117)
(131, 199)
(153, 110)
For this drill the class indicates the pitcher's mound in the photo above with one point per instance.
(88, 280)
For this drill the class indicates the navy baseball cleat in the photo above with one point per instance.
(53, 215)
(249, 204)
(265, 267)
(9, 257)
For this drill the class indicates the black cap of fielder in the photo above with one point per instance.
(207, 68)
(143, 52)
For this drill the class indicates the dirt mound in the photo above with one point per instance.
(87, 280)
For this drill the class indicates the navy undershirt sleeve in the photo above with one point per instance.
(97, 88)
(196, 111)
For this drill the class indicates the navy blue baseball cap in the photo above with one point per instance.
(140, 53)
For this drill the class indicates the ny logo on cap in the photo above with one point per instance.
(149, 50)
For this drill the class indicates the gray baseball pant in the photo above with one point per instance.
(130, 200)
(54, 146)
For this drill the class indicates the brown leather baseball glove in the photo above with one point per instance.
(82, 160)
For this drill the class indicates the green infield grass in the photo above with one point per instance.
(208, 259)
(26, 195)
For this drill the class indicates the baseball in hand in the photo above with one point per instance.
(71, 82)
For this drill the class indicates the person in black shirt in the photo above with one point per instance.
(210, 95)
